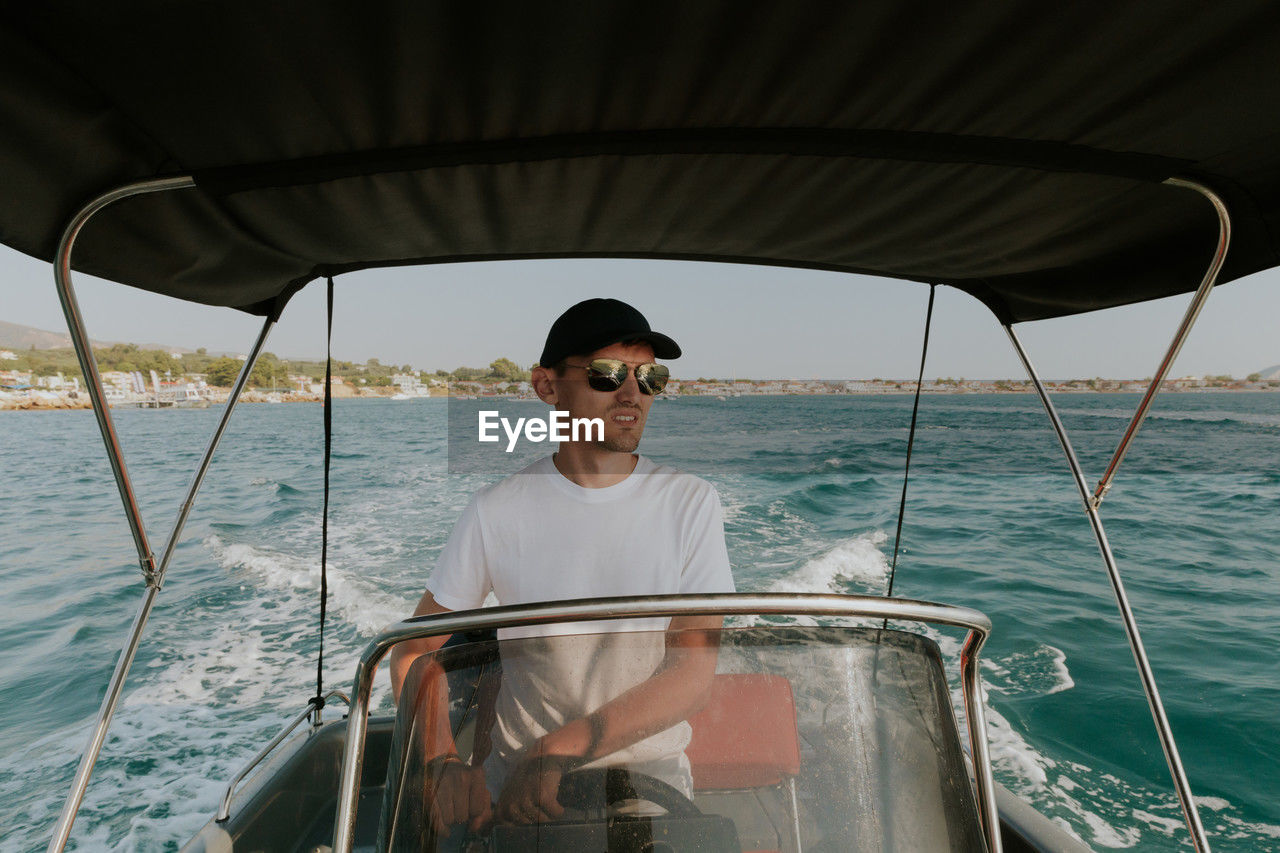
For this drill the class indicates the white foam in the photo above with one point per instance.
(1064, 679)
(1041, 671)
(1165, 825)
(857, 561)
(1216, 804)
(1107, 835)
(1059, 790)
(358, 601)
(1011, 753)
(223, 686)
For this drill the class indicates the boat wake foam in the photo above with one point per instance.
(854, 565)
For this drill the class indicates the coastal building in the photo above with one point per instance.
(117, 379)
(408, 383)
(15, 378)
(58, 382)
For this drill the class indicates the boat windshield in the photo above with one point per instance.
(804, 738)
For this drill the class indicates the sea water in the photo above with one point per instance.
(810, 487)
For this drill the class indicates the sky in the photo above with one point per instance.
(732, 320)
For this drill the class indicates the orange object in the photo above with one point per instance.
(745, 736)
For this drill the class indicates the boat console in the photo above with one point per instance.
(811, 738)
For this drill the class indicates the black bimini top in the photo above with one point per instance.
(1014, 150)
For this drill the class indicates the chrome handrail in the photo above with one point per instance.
(224, 810)
(717, 604)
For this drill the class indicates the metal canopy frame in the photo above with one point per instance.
(1093, 499)
(711, 604)
(154, 571)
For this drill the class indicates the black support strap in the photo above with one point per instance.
(318, 701)
(911, 440)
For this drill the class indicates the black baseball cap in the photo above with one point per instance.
(596, 323)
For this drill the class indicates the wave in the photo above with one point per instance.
(860, 562)
(1215, 416)
(1039, 672)
(217, 677)
(856, 563)
(230, 673)
(360, 602)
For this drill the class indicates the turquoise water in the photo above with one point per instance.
(810, 487)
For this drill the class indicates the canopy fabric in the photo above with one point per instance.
(1014, 150)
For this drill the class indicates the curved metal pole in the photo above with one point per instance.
(1179, 337)
(84, 350)
(1167, 743)
(626, 607)
(154, 575)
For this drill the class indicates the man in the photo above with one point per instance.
(595, 519)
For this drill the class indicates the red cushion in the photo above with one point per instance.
(745, 736)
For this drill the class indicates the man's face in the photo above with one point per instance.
(623, 411)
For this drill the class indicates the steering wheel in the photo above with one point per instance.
(580, 789)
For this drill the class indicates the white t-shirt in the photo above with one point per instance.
(538, 536)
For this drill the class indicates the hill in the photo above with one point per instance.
(16, 337)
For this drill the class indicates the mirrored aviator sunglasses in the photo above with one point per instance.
(608, 374)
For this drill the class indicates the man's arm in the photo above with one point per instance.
(456, 792)
(677, 691)
(404, 654)
(460, 576)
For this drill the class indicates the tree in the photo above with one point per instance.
(505, 368)
(1254, 377)
(263, 374)
(268, 371)
(202, 351)
(222, 371)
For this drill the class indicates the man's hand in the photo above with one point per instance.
(455, 794)
(530, 793)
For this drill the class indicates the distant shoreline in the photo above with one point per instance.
(37, 400)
